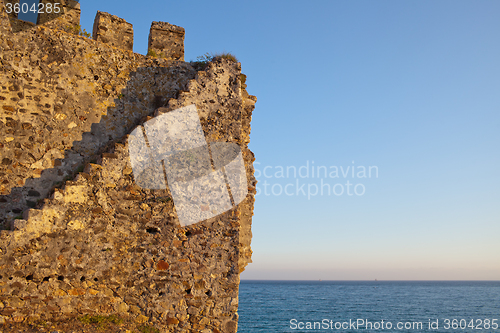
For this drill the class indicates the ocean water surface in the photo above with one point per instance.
(369, 306)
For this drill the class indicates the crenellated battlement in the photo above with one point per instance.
(79, 238)
(165, 40)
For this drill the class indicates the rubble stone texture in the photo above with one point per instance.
(166, 41)
(113, 30)
(81, 237)
(68, 17)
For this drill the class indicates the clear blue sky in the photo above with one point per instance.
(411, 87)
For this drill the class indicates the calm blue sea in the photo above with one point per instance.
(361, 306)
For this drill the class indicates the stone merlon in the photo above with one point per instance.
(111, 29)
(166, 41)
(80, 239)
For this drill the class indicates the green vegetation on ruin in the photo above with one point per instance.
(203, 60)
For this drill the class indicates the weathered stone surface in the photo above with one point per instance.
(19, 25)
(65, 16)
(86, 239)
(5, 28)
(104, 91)
(166, 41)
(112, 30)
(68, 19)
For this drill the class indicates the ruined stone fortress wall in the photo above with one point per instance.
(79, 236)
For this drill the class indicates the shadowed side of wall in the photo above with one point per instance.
(65, 97)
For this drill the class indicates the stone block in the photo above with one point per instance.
(166, 41)
(111, 29)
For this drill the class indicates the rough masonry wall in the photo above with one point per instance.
(166, 41)
(96, 243)
(64, 97)
(113, 30)
(68, 18)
